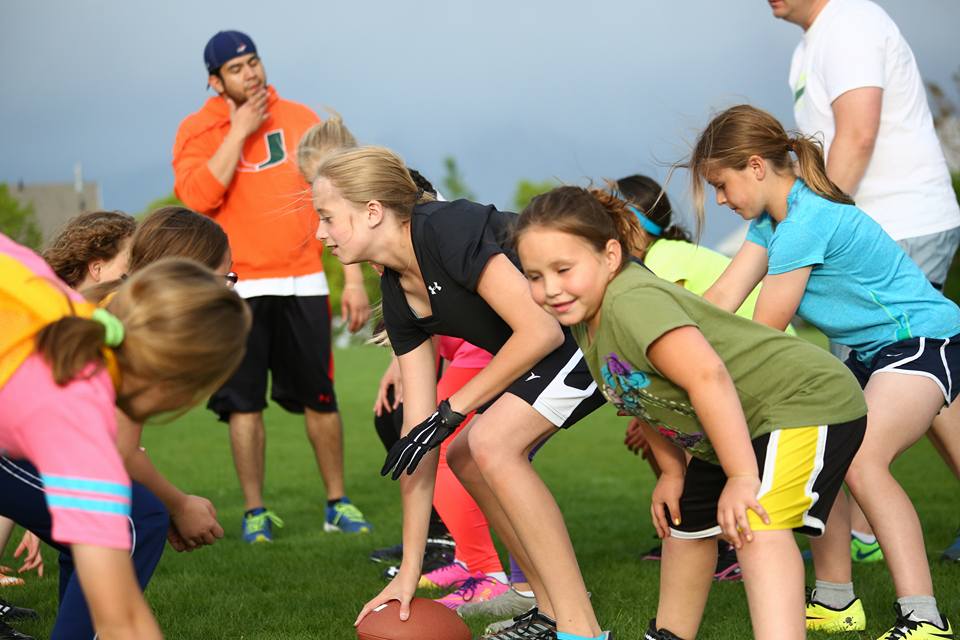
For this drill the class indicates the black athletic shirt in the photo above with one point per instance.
(453, 242)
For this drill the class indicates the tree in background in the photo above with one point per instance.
(527, 190)
(17, 221)
(168, 200)
(454, 186)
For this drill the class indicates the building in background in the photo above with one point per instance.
(56, 202)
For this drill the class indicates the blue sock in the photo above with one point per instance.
(569, 636)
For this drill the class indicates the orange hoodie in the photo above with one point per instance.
(266, 210)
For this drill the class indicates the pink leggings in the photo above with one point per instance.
(456, 507)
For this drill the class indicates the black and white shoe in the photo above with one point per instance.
(531, 625)
(9, 633)
(653, 633)
(10, 611)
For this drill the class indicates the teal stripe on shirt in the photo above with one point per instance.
(85, 484)
(87, 504)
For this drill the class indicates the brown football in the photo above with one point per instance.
(428, 620)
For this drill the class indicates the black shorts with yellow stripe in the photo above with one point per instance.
(801, 471)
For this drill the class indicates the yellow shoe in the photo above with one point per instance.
(906, 629)
(820, 617)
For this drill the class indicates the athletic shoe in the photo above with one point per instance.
(506, 605)
(653, 554)
(479, 589)
(952, 553)
(653, 633)
(10, 611)
(862, 552)
(258, 525)
(906, 629)
(821, 617)
(394, 554)
(451, 575)
(728, 567)
(531, 625)
(343, 516)
(9, 633)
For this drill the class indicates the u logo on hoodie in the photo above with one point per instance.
(273, 142)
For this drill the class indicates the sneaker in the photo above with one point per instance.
(652, 633)
(728, 567)
(9, 633)
(258, 525)
(531, 625)
(445, 577)
(862, 552)
(394, 554)
(653, 554)
(821, 617)
(343, 516)
(475, 590)
(906, 629)
(952, 553)
(10, 611)
(506, 605)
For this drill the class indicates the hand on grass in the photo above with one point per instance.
(33, 558)
(402, 588)
(739, 495)
(665, 503)
(194, 524)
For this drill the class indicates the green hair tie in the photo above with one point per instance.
(113, 328)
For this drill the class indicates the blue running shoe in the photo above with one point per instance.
(952, 552)
(343, 516)
(258, 525)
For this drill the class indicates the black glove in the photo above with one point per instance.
(410, 449)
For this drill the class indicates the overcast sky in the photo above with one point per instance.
(513, 89)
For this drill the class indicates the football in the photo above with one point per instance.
(428, 620)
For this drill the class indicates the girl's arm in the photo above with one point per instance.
(110, 587)
(194, 518)
(418, 372)
(684, 356)
(780, 297)
(741, 276)
(535, 334)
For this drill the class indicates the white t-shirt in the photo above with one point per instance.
(853, 44)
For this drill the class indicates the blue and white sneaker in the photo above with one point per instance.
(344, 516)
(258, 525)
(952, 553)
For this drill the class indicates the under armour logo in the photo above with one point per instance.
(434, 288)
(533, 376)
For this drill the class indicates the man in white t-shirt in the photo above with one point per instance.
(856, 85)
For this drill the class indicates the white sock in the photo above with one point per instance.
(865, 538)
(525, 594)
(921, 608)
(498, 575)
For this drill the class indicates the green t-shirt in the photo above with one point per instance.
(782, 381)
(697, 267)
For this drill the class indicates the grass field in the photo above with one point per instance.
(309, 584)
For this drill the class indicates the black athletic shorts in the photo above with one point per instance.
(931, 358)
(560, 387)
(290, 337)
(801, 472)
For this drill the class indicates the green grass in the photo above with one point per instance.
(310, 585)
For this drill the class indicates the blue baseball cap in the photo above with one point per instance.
(225, 46)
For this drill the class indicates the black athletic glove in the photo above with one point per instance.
(410, 449)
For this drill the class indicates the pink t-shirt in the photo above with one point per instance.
(463, 355)
(69, 434)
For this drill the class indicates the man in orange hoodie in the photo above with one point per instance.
(234, 160)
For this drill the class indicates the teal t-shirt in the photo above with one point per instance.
(864, 291)
(782, 381)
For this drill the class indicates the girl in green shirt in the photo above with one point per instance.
(771, 421)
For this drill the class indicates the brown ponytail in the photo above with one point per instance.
(813, 170)
(69, 345)
(740, 132)
(595, 215)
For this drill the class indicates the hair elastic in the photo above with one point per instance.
(649, 225)
(112, 327)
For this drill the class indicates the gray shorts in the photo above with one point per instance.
(933, 253)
